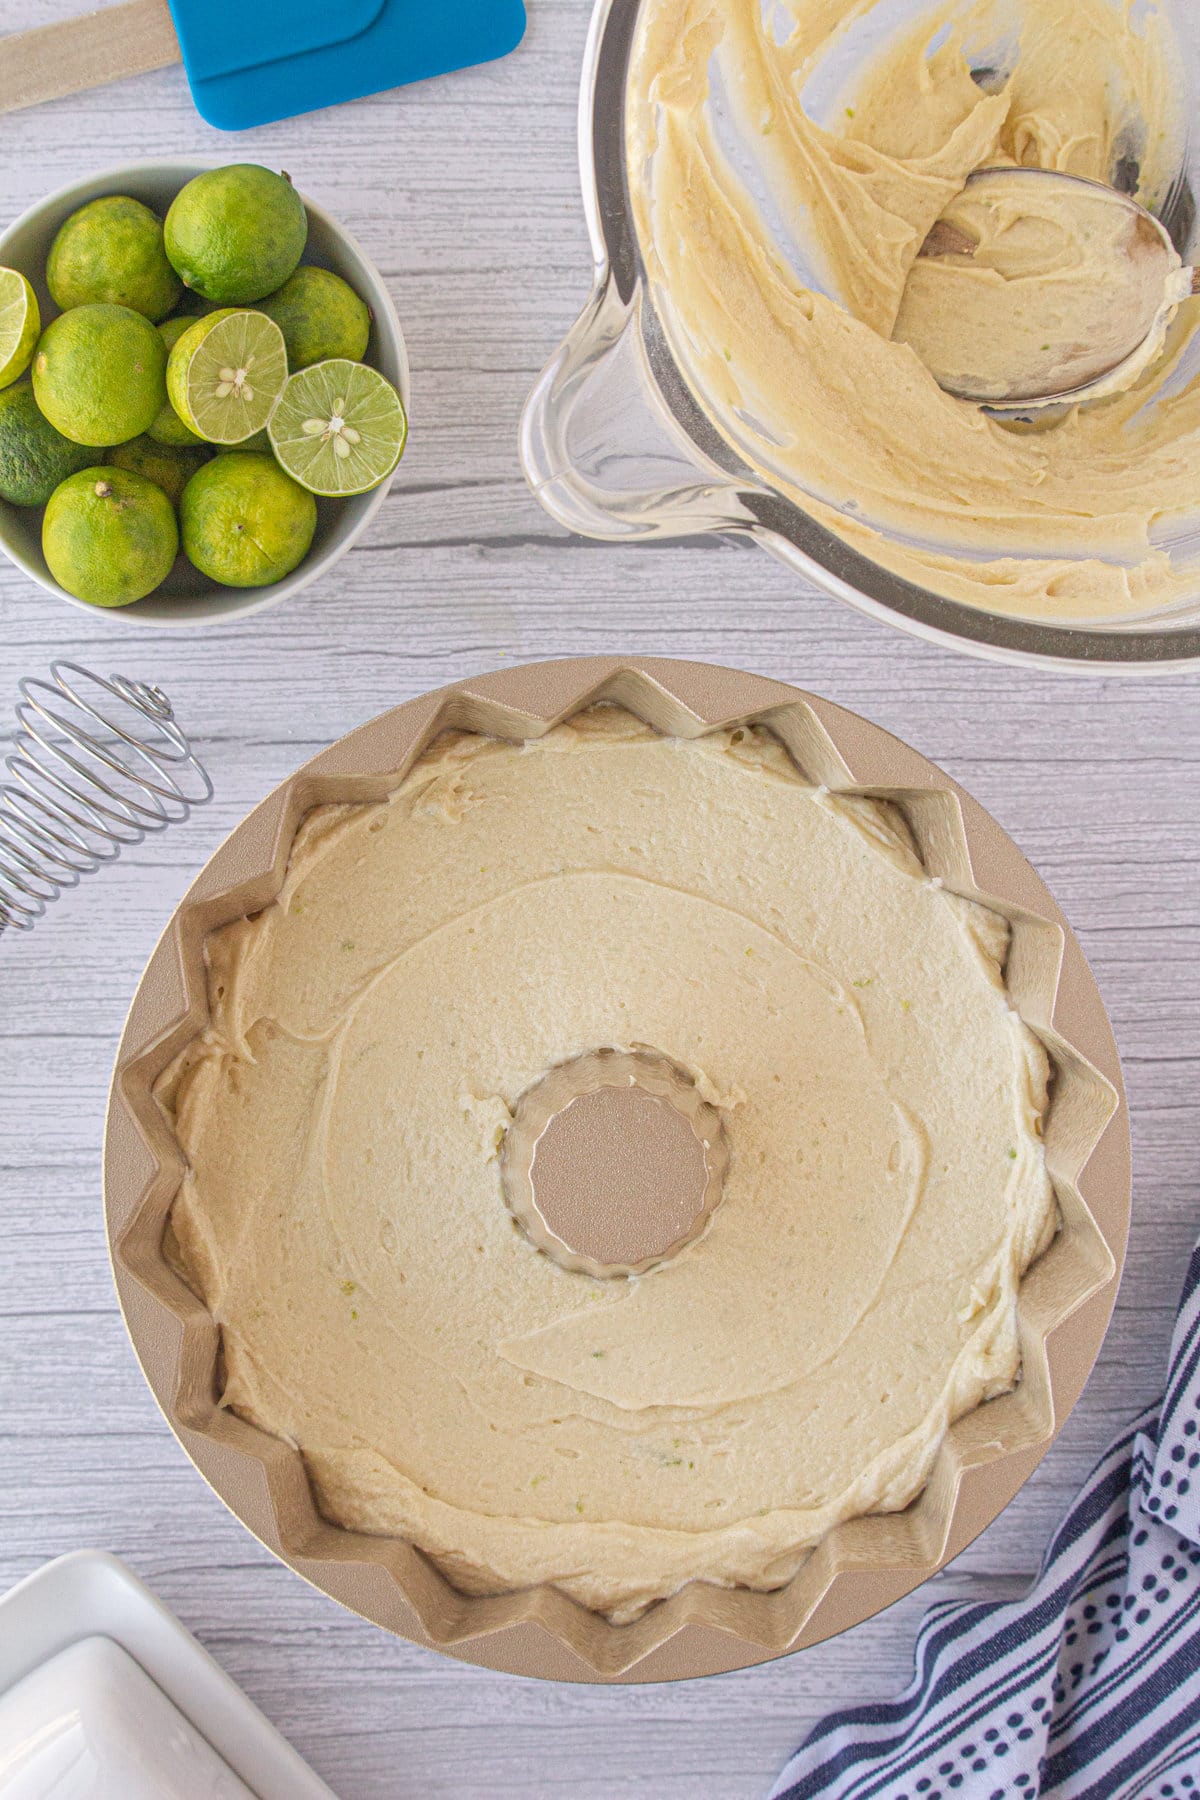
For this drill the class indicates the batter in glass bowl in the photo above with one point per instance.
(780, 215)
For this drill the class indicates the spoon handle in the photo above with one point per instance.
(85, 52)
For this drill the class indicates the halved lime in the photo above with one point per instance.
(339, 428)
(225, 373)
(20, 323)
(98, 373)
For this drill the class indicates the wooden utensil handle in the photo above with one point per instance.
(97, 47)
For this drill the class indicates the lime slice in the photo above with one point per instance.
(339, 427)
(20, 324)
(225, 373)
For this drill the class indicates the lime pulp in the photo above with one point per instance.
(225, 374)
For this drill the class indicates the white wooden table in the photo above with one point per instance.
(465, 192)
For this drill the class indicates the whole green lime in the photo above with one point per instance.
(320, 315)
(34, 457)
(235, 234)
(168, 466)
(109, 536)
(112, 250)
(99, 374)
(245, 522)
(168, 427)
(195, 331)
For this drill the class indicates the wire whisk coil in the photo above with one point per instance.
(96, 766)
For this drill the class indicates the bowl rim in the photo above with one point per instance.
(194, 615)
(702, 1629)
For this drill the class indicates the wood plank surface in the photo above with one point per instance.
(465, 192)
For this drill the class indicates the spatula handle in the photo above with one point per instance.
(130, 38)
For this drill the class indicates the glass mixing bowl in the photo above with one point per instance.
(616, 445)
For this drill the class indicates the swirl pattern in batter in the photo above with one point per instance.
(430, 956)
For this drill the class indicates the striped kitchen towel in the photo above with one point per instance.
(1089, 1689)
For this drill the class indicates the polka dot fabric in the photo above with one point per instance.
(1089, 1689)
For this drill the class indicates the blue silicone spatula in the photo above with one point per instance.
(251, 61)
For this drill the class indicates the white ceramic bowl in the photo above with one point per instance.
(187, 597)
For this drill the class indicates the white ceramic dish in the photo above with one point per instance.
(97, 1678)
(187, 597)
(90, 1723)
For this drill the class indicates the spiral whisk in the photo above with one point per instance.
(96, 766)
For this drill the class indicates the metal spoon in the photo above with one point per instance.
(1039, 289)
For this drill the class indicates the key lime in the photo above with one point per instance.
(34, 457)
(109, 536)
(167, 426)
(235, 234)
(20, 323)
(320, 315)
(245, 522)
(168, 466)
(98, 374)
(339, 427)
(112, 250)
(225, 374)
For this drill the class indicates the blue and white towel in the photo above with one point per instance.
(1089, 1689)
